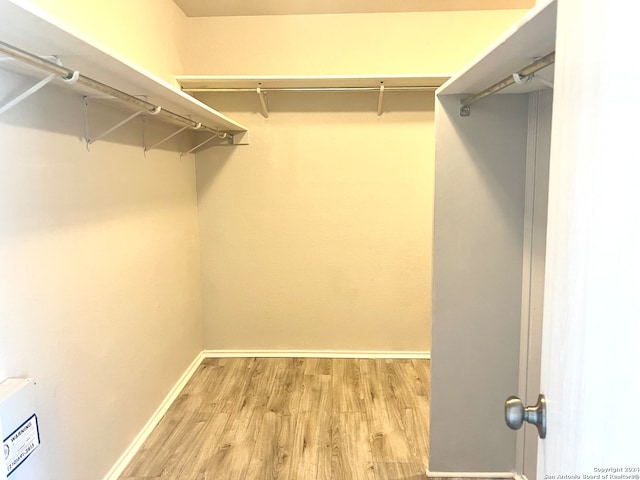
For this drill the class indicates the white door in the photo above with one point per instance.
(591, 333)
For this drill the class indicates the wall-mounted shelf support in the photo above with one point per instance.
(26, 94)
(155, 145)
(213, 137)
(263, 101)
(87, 134)
(56, 70)
(75, 77)
(30, 91)
(380, 98)
(523, 80)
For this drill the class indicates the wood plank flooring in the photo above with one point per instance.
(293, 419)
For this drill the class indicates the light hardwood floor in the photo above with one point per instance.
(294, 419)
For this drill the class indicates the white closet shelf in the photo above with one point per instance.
(531, 38)
(33, 30)
(267, 82)
(282, 83)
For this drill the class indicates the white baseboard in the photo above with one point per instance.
(130, 452)
(315, 354)
(511, 475)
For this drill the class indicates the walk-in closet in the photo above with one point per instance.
(316, 241)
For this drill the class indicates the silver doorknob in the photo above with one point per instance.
(515, 414)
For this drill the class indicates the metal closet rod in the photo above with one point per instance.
(312, 89)
(71, 76)
(530, 69)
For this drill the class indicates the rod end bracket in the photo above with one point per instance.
(465, 110)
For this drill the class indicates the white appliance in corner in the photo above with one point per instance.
(19, 430)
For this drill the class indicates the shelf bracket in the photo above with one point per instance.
(212, 137)
(522, 79)
(27, 93)
(30, 91)
(380, 98)
(90, 140)
(263, 101)
(180, 130)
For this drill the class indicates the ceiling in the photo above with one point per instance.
(213, 8)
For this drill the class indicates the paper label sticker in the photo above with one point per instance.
(21, 443)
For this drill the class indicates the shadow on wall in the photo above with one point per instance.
(57, 109)
(504, 183)
(48, 178)
(209, 164)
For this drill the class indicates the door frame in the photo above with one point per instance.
(534, 243)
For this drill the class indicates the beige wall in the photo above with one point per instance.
(399, 43)
(477, 278)
(151, 33)
(321, 226)
(100, 287)
(317, 235)
(99, 253)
